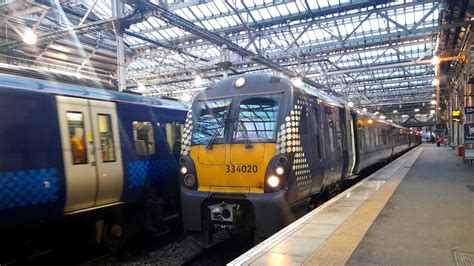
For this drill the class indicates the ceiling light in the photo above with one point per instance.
(436, 82)
(186, 97)
(433, 95)
(432, 111)
(382, 117)
(417, 110)
(29, 37)
(350, 104)
(433, 102)
(298, 81)
(376, 112)
(395, 111)
(435, 60)
(141, 87)
(198, 81)
(364, 109)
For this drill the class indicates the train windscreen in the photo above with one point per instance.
(211, 121)
(257, 119)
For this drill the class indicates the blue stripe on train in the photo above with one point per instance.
(153, 171)
(27, 188)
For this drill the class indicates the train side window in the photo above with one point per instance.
(143, 137)
(316, 127)
(174, 131)
(77, 135)
(106, 137)
(304, 123)
(331, 134)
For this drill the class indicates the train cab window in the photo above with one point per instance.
(77, 135)
(106, 137)
(211, 121)
(144, 138)
(174, 131)
(258, 117)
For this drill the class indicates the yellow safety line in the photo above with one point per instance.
(338, 248)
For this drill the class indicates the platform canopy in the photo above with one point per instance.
(377, 54)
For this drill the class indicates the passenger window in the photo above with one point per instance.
(331, 134)
(106, 136)
(174, 131)
(77, 136)
(143, 137)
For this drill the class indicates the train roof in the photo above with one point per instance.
(53, 86)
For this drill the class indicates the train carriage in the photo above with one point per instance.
(67, 149)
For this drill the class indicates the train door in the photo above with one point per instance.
(91, 152)
(350, 147)
(318, 152)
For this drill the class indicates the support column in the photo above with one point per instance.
(117, 11)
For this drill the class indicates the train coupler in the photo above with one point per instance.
(224, 216)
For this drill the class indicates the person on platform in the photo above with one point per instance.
(438, 140)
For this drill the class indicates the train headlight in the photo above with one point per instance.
(280, 170)
(189, 180)
(273, 181)
(184, 170)
(239, 82)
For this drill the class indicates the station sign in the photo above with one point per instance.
(469, 110)
(469, 133)
(456, 115)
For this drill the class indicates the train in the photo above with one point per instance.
(71, 149)
(257, 148)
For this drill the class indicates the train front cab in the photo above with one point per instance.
(253, 156)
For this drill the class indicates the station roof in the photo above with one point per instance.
(376, 54)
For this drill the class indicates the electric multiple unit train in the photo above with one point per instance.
(256, 147)
(67, 149)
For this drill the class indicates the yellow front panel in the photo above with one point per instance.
(242, 172)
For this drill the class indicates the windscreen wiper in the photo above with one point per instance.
(244, 133)
(217, 133)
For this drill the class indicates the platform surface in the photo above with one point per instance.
(417, 210)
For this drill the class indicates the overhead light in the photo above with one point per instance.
(395, 111)
(186, 97)
(432, 111)
(350, 104)
(298, 81)
(141, 87)
(433, 102)
(370, 121)
(435, 60)
(417, 110)
(198, 81)
(436, 82)
(364, 109)
(433, 95)
(382, 117)
(29, 37)
(376, 112)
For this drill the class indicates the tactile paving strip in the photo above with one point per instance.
(463, 258)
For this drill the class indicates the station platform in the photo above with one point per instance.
(417, 210)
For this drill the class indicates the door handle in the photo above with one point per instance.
(93, 163)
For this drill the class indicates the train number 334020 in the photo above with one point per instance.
(231, 168)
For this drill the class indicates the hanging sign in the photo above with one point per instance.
(469, 110)
(469, 133)
(456, 115)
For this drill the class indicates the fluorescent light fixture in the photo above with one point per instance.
(435, 60)
(29, 37)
